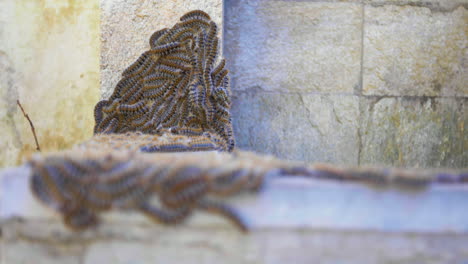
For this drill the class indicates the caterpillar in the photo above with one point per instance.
(200, 58)
(118, 88)
(184, 176)
(229, 183)
(156, 35)
(208, 82)
(158, 93)
(218, 141)
(149, 87)
(203, 146)
(164, 48)
(111, 127)
(195, 14)
(183, 109)
(218, 68)
(175, 147)
(167, 217)
(126, 87)
(137, 96)
(225, 211)
(181, 85)
(219, 78)
(137, 65)
(155, 77)
(98, 112)
(176, 35)
(101, 127)
(174, 120)
(140, 70)
(185, 196)
(134, 196)
(80, 219)
(130, 108)
(226, 88)
(139, 119)
(164, 70)
(195, 23)
(190, 131)
(174, 65)
(135, 88)
(180, 58)
(211, 49)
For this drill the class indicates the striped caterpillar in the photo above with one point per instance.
(156, 35)
(195, 14)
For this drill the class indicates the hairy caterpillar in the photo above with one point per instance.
(156, 35)
(130, 108)
(218, 68)
(195, 14)
(225, 211)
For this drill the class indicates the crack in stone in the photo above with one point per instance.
(309, 114)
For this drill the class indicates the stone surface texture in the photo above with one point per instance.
(398, 131)
(49, 60)
(298, 126)
(126, 27)
(415, 51)
(351, 82)
(289, 46)
(187, 245)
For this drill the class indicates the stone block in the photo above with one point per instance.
(49, 60)
(175, 246)
(415, 132)
(126, 27)
(211, 245)
(298, 126)
(415, 51)
(299, 46)
(41, 252)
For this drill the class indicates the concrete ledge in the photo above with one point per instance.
(292, 219)
(297, 202)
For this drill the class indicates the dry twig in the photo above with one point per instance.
(31, 124)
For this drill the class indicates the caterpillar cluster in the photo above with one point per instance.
(166, 141)
(165, 187)
(174, 86)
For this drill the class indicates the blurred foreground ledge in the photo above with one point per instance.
(293, 220)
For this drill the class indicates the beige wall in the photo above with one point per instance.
(49, 60)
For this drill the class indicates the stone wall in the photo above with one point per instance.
(351, 82)
(348, 82)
